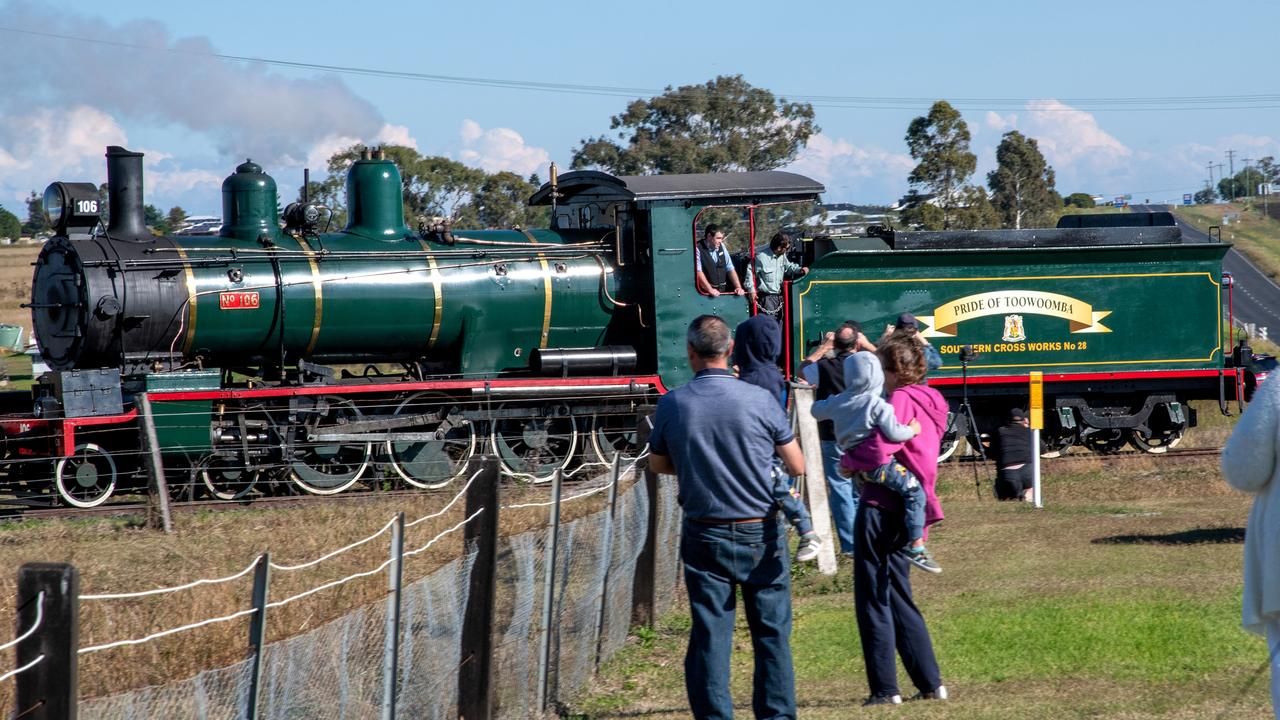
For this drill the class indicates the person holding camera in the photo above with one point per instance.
(1011, 447)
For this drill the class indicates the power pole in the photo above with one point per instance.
(1221, 177)
(1231, 159)
(1247, 177)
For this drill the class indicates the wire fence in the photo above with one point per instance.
(537, 611)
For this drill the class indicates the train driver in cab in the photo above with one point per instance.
(770, 267)
(713, 266)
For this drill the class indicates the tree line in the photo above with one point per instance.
(722, 125)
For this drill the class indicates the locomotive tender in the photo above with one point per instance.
(540, 346)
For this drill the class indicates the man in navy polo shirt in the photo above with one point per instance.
(718, 435)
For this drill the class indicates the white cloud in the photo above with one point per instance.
(45, 144)
(318, 155)
(853, 173)
(499, 149)
(1081, 152)
(169, 183)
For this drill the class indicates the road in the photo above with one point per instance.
(1257, 297)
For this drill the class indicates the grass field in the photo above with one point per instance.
(1121, 599)
(15, 284)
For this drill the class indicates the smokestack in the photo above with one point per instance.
(124, 193)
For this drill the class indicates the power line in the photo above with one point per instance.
(1093, 104)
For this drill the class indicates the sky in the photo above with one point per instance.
(1123, 98)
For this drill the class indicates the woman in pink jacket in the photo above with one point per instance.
(888, 618)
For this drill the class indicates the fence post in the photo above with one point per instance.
(615, 475)
(644, 587)
(475, 676)
(549, 591)
(47, 691)
(258, 630)
(159, 485)
(391, 638)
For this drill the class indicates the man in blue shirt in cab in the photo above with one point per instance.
(718, 436)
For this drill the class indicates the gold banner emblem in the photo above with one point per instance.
(1080, 315)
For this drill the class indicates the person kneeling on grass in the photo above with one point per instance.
(858, 413)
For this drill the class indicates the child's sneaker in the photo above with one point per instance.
(810, 543)
(923, 560)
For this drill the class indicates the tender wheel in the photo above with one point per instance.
(1106, 442)
(322, 468)
(1157, 443)
(225, 477)
(950, 443)
(432, 463)
(1056, 446)
(612, 434)
(87, 477)
(534, 448)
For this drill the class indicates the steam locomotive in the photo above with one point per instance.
(279, 354)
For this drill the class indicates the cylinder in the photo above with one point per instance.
(603, 360)
(124, 192)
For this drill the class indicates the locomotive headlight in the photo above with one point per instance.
(71, 205)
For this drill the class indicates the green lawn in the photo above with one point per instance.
(1121, 599)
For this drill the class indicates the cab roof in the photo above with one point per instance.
(593, 186)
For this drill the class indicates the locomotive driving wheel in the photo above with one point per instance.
(533, 448)
(320, 467)
(225, 477)
(87, 477)
(436, 462)
(612, 434)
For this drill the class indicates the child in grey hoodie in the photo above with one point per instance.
(857, 413)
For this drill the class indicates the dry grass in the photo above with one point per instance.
(121, 556)
(15, 284)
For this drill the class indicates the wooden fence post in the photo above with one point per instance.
(549, 559)
(644, 587)
(47, 690)
(475, 676)
(258, 630)
(159, 485)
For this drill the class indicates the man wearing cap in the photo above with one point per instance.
(908, 325)
(1011, 447)
(718, 435)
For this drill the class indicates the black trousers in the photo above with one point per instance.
(888, 618)
(1011, 484)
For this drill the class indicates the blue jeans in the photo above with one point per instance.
(899, 479)
(718, 558)
(840, 495)
(793, 508)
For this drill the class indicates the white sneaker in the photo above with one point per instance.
(938, 693)
(810, 543)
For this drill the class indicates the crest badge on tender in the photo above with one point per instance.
(1013, 331)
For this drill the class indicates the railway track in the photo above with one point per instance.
(1122, 456)
(14, 509)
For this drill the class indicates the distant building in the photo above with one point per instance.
(200, 225)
